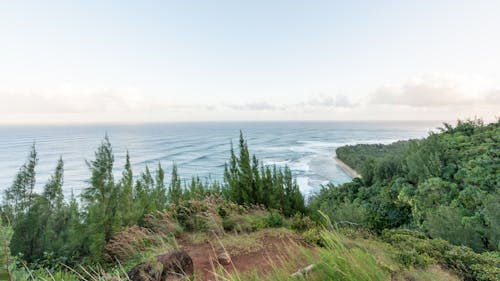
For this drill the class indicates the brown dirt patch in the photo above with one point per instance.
(270, 249)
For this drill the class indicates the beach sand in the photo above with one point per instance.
(350, 171)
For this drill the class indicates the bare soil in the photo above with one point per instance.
(274, 250)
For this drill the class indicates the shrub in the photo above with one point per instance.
(418, 250)
(413, 259)
(301, 222)
(274, 219)
(313, 237)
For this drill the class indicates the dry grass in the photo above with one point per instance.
(432, 273)
(251, 242)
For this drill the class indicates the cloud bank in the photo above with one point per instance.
(431, 97)
(433, 92)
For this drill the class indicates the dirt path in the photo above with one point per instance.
(274, 250)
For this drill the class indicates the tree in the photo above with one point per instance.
(160, 193)
(248, 183)
(101, 199)
(175, 188)
(19, 197)
(127, 196)
(53, 189)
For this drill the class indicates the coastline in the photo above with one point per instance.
(350, 171)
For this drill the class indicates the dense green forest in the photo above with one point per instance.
(419, 203)
(357, 155)
(446, 185)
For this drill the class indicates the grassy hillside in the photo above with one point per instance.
(263, 245)
(423, 210)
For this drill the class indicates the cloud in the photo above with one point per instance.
(422, 92)
(81, 101)
(492, 97)
(253, 106)
(326, 101)
(314, 102)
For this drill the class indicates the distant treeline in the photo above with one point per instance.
(50, 230)
(357, 155)
(447, 185)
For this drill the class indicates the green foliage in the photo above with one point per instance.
(302, 223)
(274, 219)
(357, 155)
(446, 185)
(313, 237)
(248, 183)
(417, 250)
(101, 200)
(6, 233)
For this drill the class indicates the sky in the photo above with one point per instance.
(168, 61)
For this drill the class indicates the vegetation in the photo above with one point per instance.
(247, 182)
(357, 155)
(50, 231)
(422, 210)
(445, 186)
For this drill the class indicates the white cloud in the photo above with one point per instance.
(314, 102)
(492, 97)
(322, 100)
(433, 91)
(68, 100)
(422, 92)
(253, 106)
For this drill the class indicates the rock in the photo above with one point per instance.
(224, 258)
(303, 271)
(170, 266)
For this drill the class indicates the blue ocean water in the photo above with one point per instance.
(198, 148)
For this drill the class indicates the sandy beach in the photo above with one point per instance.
(346, 168)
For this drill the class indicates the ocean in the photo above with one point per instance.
(199, 149)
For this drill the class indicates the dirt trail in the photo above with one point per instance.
(274, 250)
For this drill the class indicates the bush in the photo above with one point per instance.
(413, 259)
(313, 237)
(200, 215)
(274, 219)
(416, 249)
(301, 222)
(471, 265)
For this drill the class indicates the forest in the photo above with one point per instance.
(446, 185)
(429, 201)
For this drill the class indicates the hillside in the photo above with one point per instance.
(260, 245)
(423, 210)
(445, 186)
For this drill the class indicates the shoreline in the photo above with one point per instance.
(350, 171)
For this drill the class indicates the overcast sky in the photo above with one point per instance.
(150, 61)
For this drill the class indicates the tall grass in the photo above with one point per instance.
(334, 261)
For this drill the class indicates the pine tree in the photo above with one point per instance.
(127, 196)
(257, 195)
(248, 183)
(245, 176)
(160, 194)
(231, 177)
(19, 196)
(53, 189)
(144, 199)
(52, 216)
(175, 188)
(101, 199)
